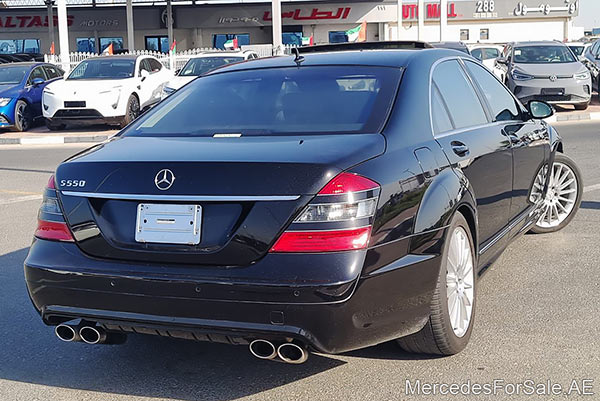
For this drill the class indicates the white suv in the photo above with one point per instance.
(110, 89)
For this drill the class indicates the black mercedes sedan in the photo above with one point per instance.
(313, 203)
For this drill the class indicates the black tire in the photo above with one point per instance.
(52, 126)
(22, 116)
(581, 106)
(132, 111)
(438, 337)
(561, 158)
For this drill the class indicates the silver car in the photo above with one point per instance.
(546, 71)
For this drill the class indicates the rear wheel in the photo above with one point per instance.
(581, 106)
(453, 304)
(22, 116)
(564, 194)
(132, 111)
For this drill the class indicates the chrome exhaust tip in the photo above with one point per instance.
(263, 349)
(66, 333)
(292, 353)
(92, 334)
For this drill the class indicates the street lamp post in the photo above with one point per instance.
(399, 19)
(443, 18)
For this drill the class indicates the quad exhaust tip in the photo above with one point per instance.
(67, 333)
(92, 334)
(292, 353)
(263, 349)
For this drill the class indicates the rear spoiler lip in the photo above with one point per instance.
(387, 45)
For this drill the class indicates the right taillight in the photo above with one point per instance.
(51, 223)
(339, 218)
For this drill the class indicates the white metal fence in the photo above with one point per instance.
(172, 61)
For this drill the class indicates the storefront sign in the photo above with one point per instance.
(315, 14)
(29, 21)
(96, 23)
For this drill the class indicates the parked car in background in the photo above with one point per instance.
(460, 46)
(110, 89)
(546, 70)
(592, 57)
(578, 48)
(203, 63)
(21, 86)
(295, 204)
(487, 54)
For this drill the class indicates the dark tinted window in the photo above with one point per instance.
(52, 72)
(458, 93)
(501, 102)
(155, 65)
(439, 112)
(38, 72)
(320, 99)
(104, 68)
(145, 65)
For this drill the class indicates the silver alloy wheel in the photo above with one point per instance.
(561, 197)
(460, 279)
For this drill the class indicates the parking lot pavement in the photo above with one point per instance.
(537, 319)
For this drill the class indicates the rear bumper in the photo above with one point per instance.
(364, 311)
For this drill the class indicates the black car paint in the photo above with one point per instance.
(334, 302)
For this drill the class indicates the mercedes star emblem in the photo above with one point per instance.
(164, 179)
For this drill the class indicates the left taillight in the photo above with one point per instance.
(338, 219)
(51, 222)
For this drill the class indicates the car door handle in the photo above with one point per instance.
(459, 148)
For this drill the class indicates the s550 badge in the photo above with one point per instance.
(72, 183)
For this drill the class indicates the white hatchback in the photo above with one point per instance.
(110, 89)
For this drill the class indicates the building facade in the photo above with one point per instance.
(485, 21)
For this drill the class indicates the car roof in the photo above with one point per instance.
(538, 43)
(24, 63)
(221, 54)
(377, 58)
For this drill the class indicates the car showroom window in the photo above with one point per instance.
(502, 104)
(459, 95)
(439, 112)
(317, 100)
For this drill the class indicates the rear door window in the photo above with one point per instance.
(304, 100)
(439, 112)
(459, 95)
(502, 104)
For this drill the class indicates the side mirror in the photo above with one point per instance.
(539, 110)
(37, 82)
(502, 60)
(144, 74)
(177, 71)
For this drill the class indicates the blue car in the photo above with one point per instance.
(21, 87)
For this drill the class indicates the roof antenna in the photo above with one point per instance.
(297, 57)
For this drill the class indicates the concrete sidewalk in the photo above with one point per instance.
(568, 113)
(42, 136)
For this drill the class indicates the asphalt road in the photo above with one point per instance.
(538, 319)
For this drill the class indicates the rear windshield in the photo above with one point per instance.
(104, 68)
(294, 100)
(543, 54)
(199, 66)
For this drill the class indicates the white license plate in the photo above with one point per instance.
(168, 224)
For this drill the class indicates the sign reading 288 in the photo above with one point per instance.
(485, 6)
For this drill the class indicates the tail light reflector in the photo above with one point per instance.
(51, 222)
(348, 182)
(53, 230)
(323, 241)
